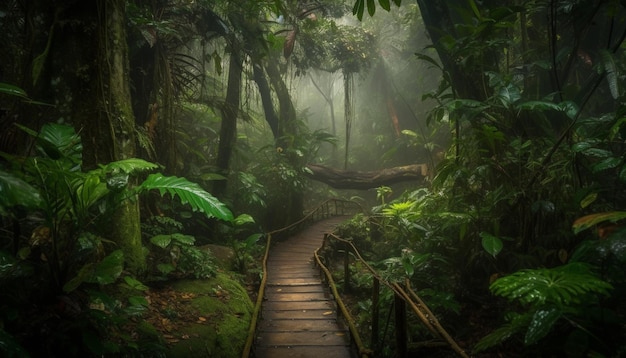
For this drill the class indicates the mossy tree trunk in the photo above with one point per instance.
(74, 55)
(102, 111)
(116, 111)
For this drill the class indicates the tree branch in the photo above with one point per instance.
(350, 179)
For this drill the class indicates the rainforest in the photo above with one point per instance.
(339, 178)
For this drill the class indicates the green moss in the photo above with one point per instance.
(227, 308)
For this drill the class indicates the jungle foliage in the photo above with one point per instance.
(524, 213)
(69, 260)
(516, 241)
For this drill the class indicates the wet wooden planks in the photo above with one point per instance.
(299, 316)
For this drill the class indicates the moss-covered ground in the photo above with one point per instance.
(202, 318)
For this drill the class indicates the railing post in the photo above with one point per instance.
(375, 312)
(401, 330)
(346, 268)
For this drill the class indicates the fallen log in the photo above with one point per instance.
(351, 179)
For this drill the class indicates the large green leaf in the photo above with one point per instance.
(89, 190)
(16, 192)
(12, 90)
(541, 324)
(371, 7)
(56, 141)
(358, 9)
(63, 137)
(569, 108)
(161, 241)
(429, 59)
(109, 269)
(607, 163)
(385, 4)
(492, 244)
(189, 193)
(243, 219)
(598, 153)
(509, 94)
(184, 239)
(129, 166)
(592, 220)
(562, 286)
(105, 272)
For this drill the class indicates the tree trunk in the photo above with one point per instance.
(266, 98)
(79, 63)
(228, 130)
(439, 22)
(291, 201)
(286, 109)
(103, 109)
(118, 113)
(347, 179)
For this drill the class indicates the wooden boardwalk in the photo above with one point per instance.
(299, 316)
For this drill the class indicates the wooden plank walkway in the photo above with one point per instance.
(299, 316)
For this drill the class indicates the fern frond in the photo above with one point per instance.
(189, 193)
(561, 286)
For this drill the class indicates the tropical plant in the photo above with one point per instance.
(68, 255)
(571, 293)
(247, 253)
(181, 258)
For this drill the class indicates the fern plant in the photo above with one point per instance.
(548, 295)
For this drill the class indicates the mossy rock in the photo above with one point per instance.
(225, 305)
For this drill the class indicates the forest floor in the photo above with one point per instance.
(199, 318)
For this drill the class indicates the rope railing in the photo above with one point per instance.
(330, 207)
(403, 296)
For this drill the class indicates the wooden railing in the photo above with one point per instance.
(403, 296)
(329, 208)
